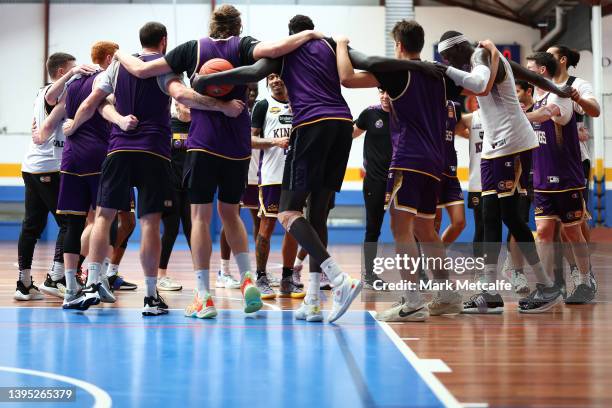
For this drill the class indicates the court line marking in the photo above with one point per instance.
(435, 365)
(409, 338)
(101, 397)
(475, 405)
(427, 376)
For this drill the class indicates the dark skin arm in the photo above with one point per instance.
(264, 67)
(523, 73)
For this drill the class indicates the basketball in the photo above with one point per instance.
(212, 66)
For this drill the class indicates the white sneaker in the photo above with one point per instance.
(344, 294)
(448, 303)
(106, 295)
(226, 281)
(309, 310)
(27, 293)
(168, 284)
(519, 282)
(273, 280)
(403, 312)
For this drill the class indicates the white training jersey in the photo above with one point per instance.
(47, 157)
(507, 130)
(585, 89)
(476, 139)
(254, 168)
(277, 124)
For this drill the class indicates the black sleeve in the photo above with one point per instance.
(258, 117)
(247, 46)
(362, 121)
(393, 82)
(183, 58)
(459, 112)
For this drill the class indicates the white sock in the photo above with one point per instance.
(332, 270)
(298, 262)
(151, 286)
(244, 263)
(541, 275)
(202, 282)
(25, 277)
(225, 266)
(112, 270)
(71, 282)
(57, 271)
(105, 265)
(314, 285)
(490, 273)
(93, 272)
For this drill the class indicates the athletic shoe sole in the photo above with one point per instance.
(313, 318)
(352, 295)
(252, 299)
(292, 295)
(490, 310)
(167, 289)
(207, 313)
(24, 298)
(153, 311)
(268, 296)
(449, 310)
(543, 308)
(52, 291)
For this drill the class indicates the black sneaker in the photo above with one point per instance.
(581, 295)
(154, 306)
(91, 292)
(373, 282)
(484, 303)
(54, 288)
(27, 293)
(541, 299)
(116, 282)
(288, 289)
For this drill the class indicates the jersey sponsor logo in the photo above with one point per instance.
(45, 179)
(272, 208)
(538, 210)
(505, 185)
(452, 168)
(274, 109)
(475, 200)
(541, 137)
(509, 163)
(281, 132)
(379, 124)
(574, 195)
(481, 135)
(553, 179)
(451, 111)
(574, 215)
(499, 144)
(285, 119)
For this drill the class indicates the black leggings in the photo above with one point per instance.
(374, 198)
(72, 242)
(506, 209)
(478, 228)
(41, 192)
(181, 213)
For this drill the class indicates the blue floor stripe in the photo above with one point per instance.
(233, 361)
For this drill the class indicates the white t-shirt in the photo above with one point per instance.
(476, 140)
(507, 130)
(276, 124)
(47, 157)
(253, 178)
(585, 89)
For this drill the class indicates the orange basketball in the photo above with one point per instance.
(212, 66)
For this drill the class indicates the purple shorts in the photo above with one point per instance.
(77, 193)
(413, 192)
(567, 206)
(250, 197)
(450, 192)
(505, 175)
(269, 200)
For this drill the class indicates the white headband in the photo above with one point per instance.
(449, 43)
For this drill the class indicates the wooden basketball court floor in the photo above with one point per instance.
(562, 358)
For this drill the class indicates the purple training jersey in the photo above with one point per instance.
(144, 99)
(311, 76)
(418, 126)
(556, 163)
(450, 154)
(213, 132)
(86, 149)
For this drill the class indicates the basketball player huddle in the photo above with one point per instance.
(113, 123)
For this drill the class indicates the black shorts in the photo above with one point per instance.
(586, 166)
(317, 156)
(150, 174)
(205, 173)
